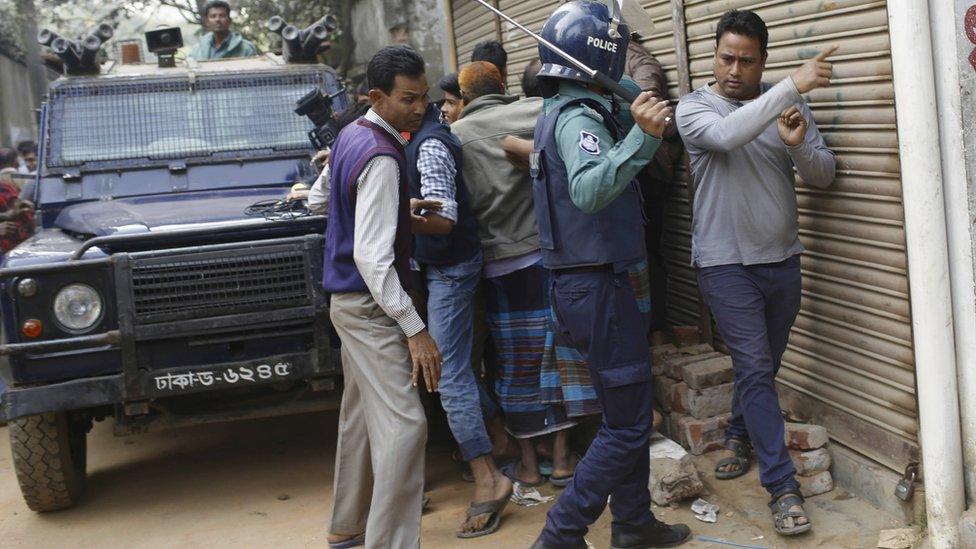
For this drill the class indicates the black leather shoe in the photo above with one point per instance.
(653, 534)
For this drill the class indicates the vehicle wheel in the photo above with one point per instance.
(49, 456)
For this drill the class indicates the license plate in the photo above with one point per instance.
(224, 376)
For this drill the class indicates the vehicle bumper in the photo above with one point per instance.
(93, 392)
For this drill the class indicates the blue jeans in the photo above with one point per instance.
(754, 307)
(596, 313)
(450, 315)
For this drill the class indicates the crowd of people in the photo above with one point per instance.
(16, 194)
(505, 252)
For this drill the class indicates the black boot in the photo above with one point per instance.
(652, 534)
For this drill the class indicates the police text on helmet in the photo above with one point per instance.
(601, 43)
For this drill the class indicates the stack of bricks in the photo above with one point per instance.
(808, 448)
(693, 387)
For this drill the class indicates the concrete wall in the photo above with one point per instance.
(377, 23)
(17, 120)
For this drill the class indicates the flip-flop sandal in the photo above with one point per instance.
(742, 450)
(357, 541)
(781, 511)
(509, 470)
(495, 507)
(563, 481)
(545, 467)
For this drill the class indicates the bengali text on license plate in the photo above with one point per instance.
(234, 375)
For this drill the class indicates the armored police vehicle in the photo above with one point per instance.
(159, 288)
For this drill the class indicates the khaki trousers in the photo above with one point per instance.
(379, 473)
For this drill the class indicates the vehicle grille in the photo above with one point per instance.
(186, 287)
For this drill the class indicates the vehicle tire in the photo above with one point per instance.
(49, 456)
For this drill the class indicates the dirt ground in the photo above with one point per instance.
(267, 483)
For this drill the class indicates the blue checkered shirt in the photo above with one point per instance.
(437, 172)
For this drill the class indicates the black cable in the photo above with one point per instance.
(277, 210)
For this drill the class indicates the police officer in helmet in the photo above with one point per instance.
(588, 208)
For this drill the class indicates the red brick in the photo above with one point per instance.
(700, 349)
(708, 373)
(673, 426)
(702, 435)
(660, 352)
(801, 436)
(685, 336)
(674, 365)
(708, 402)
(812, 462)
(820, 483)
(671, 395)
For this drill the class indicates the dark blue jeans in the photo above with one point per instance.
(449, 316)
(596, 313)
(754, 307)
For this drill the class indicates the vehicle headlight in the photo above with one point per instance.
(77, 307)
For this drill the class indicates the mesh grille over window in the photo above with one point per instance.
(160, 119)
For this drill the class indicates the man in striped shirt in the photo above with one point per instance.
(379, 473)
(447, 245)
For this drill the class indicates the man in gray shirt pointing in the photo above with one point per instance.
(745, 137)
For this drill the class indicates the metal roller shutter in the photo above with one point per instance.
(521, 48)
(684, 305)
(850, 363)
(472, 23)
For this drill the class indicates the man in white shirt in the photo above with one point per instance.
(386, 348)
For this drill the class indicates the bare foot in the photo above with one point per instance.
(527, 477)
(500, 487)
(790, 522)
(729, 467)
(565, 468)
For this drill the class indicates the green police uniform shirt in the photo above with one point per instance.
(599, 168)
(233, 46)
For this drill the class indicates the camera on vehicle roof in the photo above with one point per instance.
(164, 42)
(318, 108)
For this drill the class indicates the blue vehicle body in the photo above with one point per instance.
(205, 311)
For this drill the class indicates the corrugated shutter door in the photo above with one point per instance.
(521, 48)
(683, 301)
(472, 24)
(850, 363)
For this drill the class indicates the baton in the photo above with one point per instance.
(600, 78)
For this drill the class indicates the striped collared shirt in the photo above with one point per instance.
(377, 202)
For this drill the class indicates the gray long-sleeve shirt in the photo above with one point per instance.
(745, 204)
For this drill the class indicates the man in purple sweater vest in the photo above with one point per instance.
(379, 475)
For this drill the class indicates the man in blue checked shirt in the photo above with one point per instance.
(449, 248)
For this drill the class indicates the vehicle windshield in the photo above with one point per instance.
(162, 119)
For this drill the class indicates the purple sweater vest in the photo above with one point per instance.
(356, 145)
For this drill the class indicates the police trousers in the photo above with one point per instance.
(596, 313)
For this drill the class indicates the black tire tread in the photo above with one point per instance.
(43, 462)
